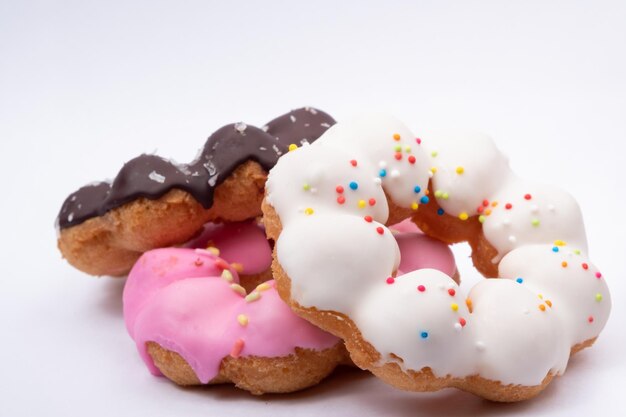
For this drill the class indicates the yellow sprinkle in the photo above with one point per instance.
(238, 289)
(542, 307)
(242, 319)
(488, 212)
(237, 267)
(306, 187)
(460, 170)
(559, 243)
(438, 193)
(308, 211)
(263, 287)
(362, 203)
(445, 195)
(481, 218)
(293, 147)
(463, 216)
(540, 296)
(494, 204)
(433, 170)
(253, 296)
(434, 154)
(414, 205)
(215, 251)
(598, 297)
(454, 306)
(577, 251)
(396, 136)
(407, 149)
(227, 275)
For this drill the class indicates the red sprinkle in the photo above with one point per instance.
(222, 264)
(598, 275)
(418, 140)
(353, 162)
(372, 201)
(380, 230)
(480, 209)
(237, 348)
(585, 266)
(508, 206)
(462, 321)
(341, 199)
(421, 288)
(451, 292)
(398, 156)
(485, 203)
(528, 196)
(590, 319)
(368, 219)
(411, 159)
(339, 189)
(390, 280)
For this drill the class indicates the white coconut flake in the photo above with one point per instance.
(156, 177)
(293, 118)
(241, 127)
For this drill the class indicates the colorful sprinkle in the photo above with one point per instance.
(445, 195)
(380, 230)
(418, 140)
(462, 321)
(598, 275)
(454, 306)
(397, 148)
(390, 280)
(293, 147)
(238, 289)
(555, 249)
(434, 154)
(451, 292)
(362, 204)
(590, 319)
(535, 222)
(598, 297)
(508, 206)
(242, 319)
(519, 280)
(414, 205)
(421, 288)
(237, 348)
(372, 201)
(354, 185)
(341, 199)
(368, 219)
(424, 335)
(424, 199)
(440, 211)
(468, 303)
(481, 218)
(237, 267)
(585, 266)
(463, 216)
(460, 170)
(564, 264)
(396, 136)
(407, 149)
(527, 196)
(559, 243)
(398, 156)
(411, 159)
(549, 303)
(339, 189)
(253, 296)
(417, 189)
(227, 275)
(353, 162)
(542, 307)
(308, 211)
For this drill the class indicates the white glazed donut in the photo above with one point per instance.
(327, 205)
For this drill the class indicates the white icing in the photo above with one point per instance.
(338, 259)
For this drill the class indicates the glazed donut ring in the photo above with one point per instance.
(153, 202)
(326, 206)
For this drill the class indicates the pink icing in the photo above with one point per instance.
(244, 243)
(197, 316)
(418, 251)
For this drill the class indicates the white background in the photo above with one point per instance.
(86, 86)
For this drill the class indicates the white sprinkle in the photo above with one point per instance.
(293, 118)
(512, 239)
(80, 206)
(262, 148)
(326, 125)
(458, 327)
(311, 110)
(480, 346)
(303, 141)
(264, 128)
(307, 124)
(70, 217)
(73, 198)
(213, 180)
(394, 173)
(382, 165)
(240, 127)
(534, 208)
(278, 152)
(430, 174)
(156, 177)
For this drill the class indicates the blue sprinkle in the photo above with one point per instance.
(424, 199)
(520, 280)
(417, 189)
(424, 335)
(440, 211)
(555, 249)
(383, 173)
(354, 185)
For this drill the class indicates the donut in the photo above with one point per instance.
(193, 322)
(153, 202)
(327, 206)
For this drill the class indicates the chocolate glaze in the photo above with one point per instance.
(151, 176)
